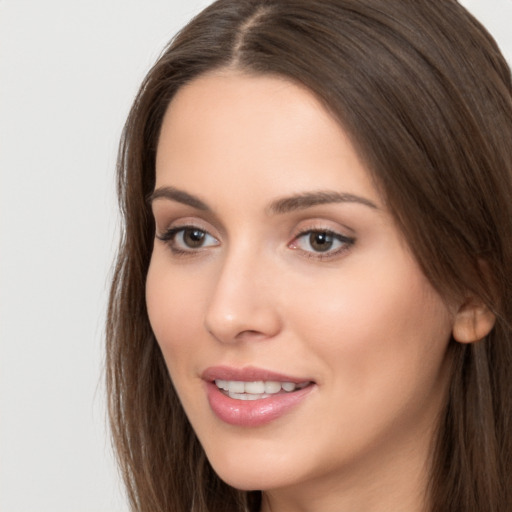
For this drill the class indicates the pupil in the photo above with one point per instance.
(193, 237)
(320, 242)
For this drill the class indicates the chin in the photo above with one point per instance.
(252, 480)
(250, 473)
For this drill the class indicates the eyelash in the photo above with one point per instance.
(169, 237)
(345, 241)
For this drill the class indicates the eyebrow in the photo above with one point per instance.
(309, 199)
(278, 207)
(180, 196)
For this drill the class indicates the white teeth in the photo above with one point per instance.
(222, 384)
(236, 386)
(246, 396)
(272, 387)
(254, 390)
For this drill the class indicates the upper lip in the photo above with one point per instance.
(247, 374)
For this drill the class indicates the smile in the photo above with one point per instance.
(253, 397)
(256, 390)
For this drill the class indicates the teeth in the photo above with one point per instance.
(236, 386)
(254, 390)
(222, 384)
(246, 396)
(272, 387)
(288, 386)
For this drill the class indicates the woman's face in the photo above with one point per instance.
(303, 340)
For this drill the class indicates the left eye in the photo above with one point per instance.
(194, 238)
(317, 241)
(188, 238)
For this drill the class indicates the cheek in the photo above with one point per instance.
(174, 304)
(372, 326)
(381, 344)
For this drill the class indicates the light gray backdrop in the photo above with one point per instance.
(68, 72)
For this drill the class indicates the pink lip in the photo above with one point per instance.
(251, 413)
(248, 373)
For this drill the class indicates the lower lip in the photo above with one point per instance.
(253, 413)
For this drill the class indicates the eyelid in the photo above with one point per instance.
(346, 242)
(170, 234)
(166, 223)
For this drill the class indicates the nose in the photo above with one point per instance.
(244, 303)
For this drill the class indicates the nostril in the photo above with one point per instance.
(251, 335)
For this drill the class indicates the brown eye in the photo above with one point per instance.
(187, 239)
(193, 238)
(321, 241)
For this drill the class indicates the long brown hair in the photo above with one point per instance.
(426, 97)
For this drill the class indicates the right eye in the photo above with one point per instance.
(187, 239)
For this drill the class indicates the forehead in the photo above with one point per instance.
(239, 106)
(250, 130)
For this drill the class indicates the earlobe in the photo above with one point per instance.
(473, 322)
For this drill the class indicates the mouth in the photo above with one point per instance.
(253, 397)
(258, 389)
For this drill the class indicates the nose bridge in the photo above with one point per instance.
(242, 302)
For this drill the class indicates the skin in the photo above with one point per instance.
(360, 320)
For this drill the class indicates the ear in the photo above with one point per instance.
(473, 321)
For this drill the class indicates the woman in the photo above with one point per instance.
(311, 307)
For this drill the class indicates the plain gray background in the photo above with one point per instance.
(69, 70)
